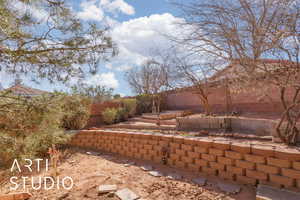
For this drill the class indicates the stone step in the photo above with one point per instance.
(153, 121)
(142, 125)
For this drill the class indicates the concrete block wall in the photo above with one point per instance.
(256, 126)
(243, 163)
(200, 123)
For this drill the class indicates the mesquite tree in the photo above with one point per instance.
(250, 33)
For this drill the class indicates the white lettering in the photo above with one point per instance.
(29, 165)
(15, 163)
(12, 182)
(71, 183)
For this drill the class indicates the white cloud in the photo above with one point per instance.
(136, 37)
(116, 6)
(98, 10)
(34, 9)
(123, 68)
(104, 79)
(90, 11)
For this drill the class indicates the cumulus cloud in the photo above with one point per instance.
(33, 9)
(136, 38)
(104, 79)
(90, 11)
(99, 10)
(116, 6)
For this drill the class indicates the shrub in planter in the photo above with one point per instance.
(122, 114)
(77, 112)
(130, 106)
(110, 115)
(144, 104)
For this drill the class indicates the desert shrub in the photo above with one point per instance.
(77, 112)
(38, 144)
(144, 104)
(122, 114)
(7, 150)
(110, 115)
(130, 106)
(29, 126)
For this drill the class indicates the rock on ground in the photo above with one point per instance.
(147, 168)
(229, 188)
(126, 194)
(107, 188)
(155, 173)
(200, 181)
(270, 193)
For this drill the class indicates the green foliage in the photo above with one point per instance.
(122, 114)
(144, 103)
(55, 45)
(130, 106)
(97, 93)
(117, 96)
(110, 115)
(30, 125)
(76, 111)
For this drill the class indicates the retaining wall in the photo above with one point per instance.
(261, 127)
(200, 123)
(244, 163)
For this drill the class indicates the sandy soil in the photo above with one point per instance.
(90, 171)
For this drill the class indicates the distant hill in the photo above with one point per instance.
(1, 88)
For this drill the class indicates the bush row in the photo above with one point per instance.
(126, 110)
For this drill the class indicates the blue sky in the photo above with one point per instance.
(137, 28)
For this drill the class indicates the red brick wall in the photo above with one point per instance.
(244, 163)
(249, 100)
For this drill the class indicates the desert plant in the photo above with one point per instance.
(54, 157)
(29, 126)
(130, 106)
(110, 115)
(77, 112)
(144, 103)
(122, 114)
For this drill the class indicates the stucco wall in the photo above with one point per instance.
(249, 101)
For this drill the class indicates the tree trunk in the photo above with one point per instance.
(205, 104)
(153, 105)
(228, 99)
(287, 129)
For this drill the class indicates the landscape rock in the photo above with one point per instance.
(126, 194)
(16, 196)
(93, 153)
(147, 168)
(229, 188)
(155, 173)
(265, 192)
(200, 181)
(129, 164)
(107, 188)
(174, 176)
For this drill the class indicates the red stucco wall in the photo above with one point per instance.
(247, 101)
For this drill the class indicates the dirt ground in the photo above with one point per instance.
(90, 171)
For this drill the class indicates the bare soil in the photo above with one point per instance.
(90, 171)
